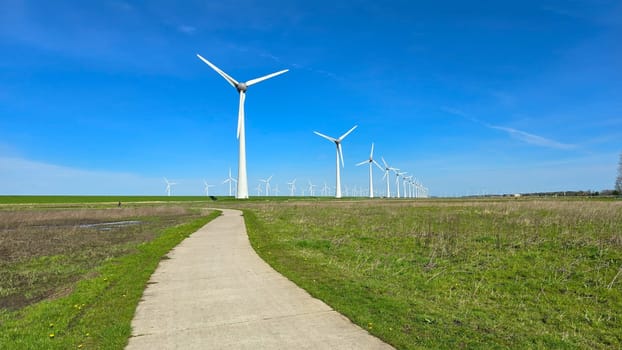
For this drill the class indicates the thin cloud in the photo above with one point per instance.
(520, 135)
(186, 29)
(531, 138)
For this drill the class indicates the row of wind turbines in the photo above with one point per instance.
(415, 189)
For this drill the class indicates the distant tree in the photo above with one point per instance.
(618, 186)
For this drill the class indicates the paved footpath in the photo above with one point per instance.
(216, 293)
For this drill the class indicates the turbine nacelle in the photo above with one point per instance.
(241, 87)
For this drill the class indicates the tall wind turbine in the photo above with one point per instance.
(230, 180)
(242, 192)
(267, 182)
(292, 187)
(168, 186)
(339, 156)
(207, 186)
(371, 162)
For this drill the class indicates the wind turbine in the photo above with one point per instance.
(242, 192)
(168, 186)
(311, 187)
(325, 189)
(397, 181)
(267, 182)
(207, 186)
(259, 189)
(339, 155)
(292, 187)
(230, 180)
(387, 168)
(371, 162)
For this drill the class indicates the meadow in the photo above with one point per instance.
(71, 274)
(419, 274)
(439, 274)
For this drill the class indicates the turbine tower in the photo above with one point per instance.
(339, 156)
(242, 192)
(168, 186)
(292, 187)
(207, 186)
(230, 180)
(267, 182)
(387, 168)
(371, 162)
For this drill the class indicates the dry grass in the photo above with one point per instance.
(456, 273)
(43, 252)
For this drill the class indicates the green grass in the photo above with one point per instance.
(456, 274)
(97, 313)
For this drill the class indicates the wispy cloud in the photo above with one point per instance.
(520, 135)
(23, 176)
(531, 138)
(186, 29)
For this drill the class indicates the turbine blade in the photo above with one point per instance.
(270, 178)
(229, 79)
(371, 154)
(385, 162)
(378, 165)
(265, 77)
(362, 163)
(326, 137)
(340, 151)
(241, 113)
(346, 134)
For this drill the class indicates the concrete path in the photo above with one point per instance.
(216, 293)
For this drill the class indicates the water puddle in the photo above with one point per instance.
(107, 226)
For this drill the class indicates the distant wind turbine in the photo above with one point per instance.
(292, 187)
(371, 162)
(207, 186)
(267, 182)
(168, 186)
(386, 176)
(230, 180)
(311, 188)
(339, 156)
(397, 181)
(241, 88)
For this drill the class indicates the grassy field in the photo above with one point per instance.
(456, 274)
(72, 277)
(526, 273)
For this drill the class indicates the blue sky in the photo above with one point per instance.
(108, 97)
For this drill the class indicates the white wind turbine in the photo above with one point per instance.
(168, 186)
(397, 181)
(267, 182)
(207, 186)
(292, 187)
(339, 155)
(230, 180)
(241, 88)
(259, 190)
(325, 189)
(371, 162)
(386, 176)
(311, 189)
